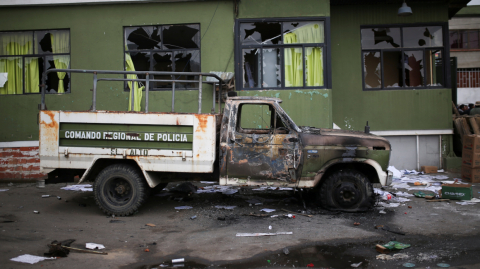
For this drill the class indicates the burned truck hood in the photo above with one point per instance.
(333, 137)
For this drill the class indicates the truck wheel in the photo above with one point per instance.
(347, 190)
(120, 189)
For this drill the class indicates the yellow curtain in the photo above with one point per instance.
(60, 44)
(137, 90)
(310, 33)
(16, 44)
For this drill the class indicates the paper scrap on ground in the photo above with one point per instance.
(229, 207)
(208, 182)
(440, 171)
(3, 190)
(94, 246)
(396, 173)
(81, 187)
(217, 188)
(31, 259)
(388, 205)
(401, 199)
(268, 210)
(404, 194)
(263, 234)
(470, 202)
(273, 189)
(183, 207)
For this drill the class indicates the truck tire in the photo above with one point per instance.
(347, 190)
(120, 190)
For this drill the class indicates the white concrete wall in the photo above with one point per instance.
(468, 95)
(404, 151)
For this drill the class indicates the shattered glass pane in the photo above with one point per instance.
(162, 61)
(271, 68)
(141, 38)
(251, 68)
(305, 31)
(392, 68)
(53, 79)
(413, 68)
(260, 33)
(372, 69)
(314, 66)
(425, 36)
(434, 68)
(185, 36)
(187, 61)
(141, 62)
(381, 38)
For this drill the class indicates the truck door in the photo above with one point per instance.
(263, 147)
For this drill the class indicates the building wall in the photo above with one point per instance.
(19, 163)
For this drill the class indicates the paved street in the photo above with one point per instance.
(438, 232)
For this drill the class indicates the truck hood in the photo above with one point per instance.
(334, 137)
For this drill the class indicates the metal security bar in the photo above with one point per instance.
(147, 81)
(468, 77)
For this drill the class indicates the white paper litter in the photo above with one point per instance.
(217, 188)
(3, 190)
(183, 207)
(470, 202)
(388, 205)
(268, 210)
(400, 199)
(440, 171)
(396, 173)
(81, 187)
(94, 246)
(440, 177)
(404, 194)
(208, 182)
(31, 259)
(225, 207)
(273, 189)
(262, 234)
(229, 191)
(274, 216)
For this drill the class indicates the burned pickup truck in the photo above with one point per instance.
(127, 155)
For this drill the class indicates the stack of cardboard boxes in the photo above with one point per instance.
(471, 158)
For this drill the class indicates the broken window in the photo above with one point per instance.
(255, 117)
(25, 55)
(168, 48)
(464, 39)
(402, 57)
(281, 54)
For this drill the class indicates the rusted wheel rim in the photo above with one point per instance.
(118, 191)
(347, 194)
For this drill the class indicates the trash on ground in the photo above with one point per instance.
(270, 227)
(457, 191)
(262, 234)
(382, 204)
(400, 256)
(274, 216)
(384, 257)
(46, 196)
(178, 260)
(31, 259)
(225, 207)
(443, 265)
(56, 248)
(396, 245)
(356, 223)
(290, 216)
(193, 217)
(183, 207)
(94, 246)
(254, 201)
(440, 171)
(381, 249)
(146, 250)
(306, 215)
(150, 225)
(273, 189)
(471, 202)
(208, 182)
(408, 265)
(395, 171)
(80, 187)
(268, 210)
(286, 251)
(36, 212)
(3, 190)
(59, 198)
(355, 265)
(10, 184)
(310, 265)
(382, 212)
(404, 194)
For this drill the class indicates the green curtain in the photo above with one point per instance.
(137, 90)
(310, 33)
(61, 44)
(17, 44)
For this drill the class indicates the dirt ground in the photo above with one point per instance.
(438, 232)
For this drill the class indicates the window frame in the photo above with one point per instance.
(43, 56)
(444, 50)
(238, 48)
(171, 51)
(460, 33)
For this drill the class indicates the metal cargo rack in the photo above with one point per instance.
(147, 81)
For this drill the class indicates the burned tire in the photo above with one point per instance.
(120, 189)
(347, 190)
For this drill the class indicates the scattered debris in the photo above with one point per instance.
(208, 182)
(443, 265)
(31, 259)
(183, 207)
(310, 265)
(290, 216)
(382, 204)
(178, 260)
(10, 184)
(400, 256)
(56, 248)
(382, 212)
(186, 187)
(274, 216)
(59, 198)
(386, 228)
(297, 213)
(150, 225)
(408, 264)
(46, 196)
(268, 210)
(270, 227)
(147, 250)
(355, 265)
(409, 206)
(397, 256)
(439, 200)
(471, 202)
(356, 223)
(254, 202)
(81, 187)
(263, 234)
(225, 207)
(193, 217)
(286, 251)
(383, 256)
(3, 190)
(396, 245)
(381, 249)
(94, 246)
(36, 212)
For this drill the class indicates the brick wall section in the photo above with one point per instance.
(20, 164)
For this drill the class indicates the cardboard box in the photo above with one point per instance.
(429, 169)
(470, 174)
(457, 191)
(471, 143)
(471, 159)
